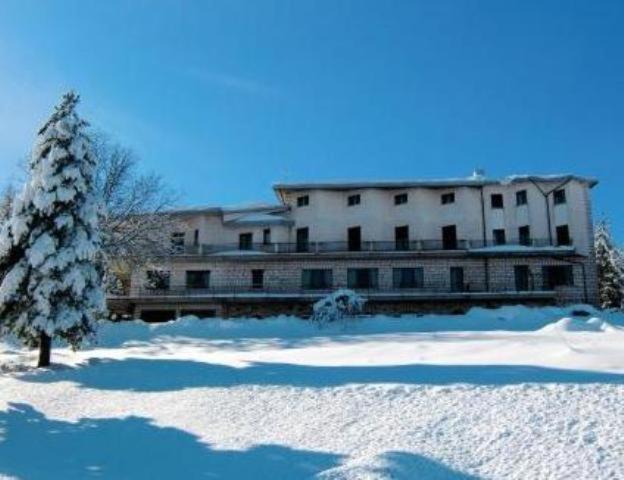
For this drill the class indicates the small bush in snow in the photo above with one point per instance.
(338, 306)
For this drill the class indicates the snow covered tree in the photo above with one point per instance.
(337, 306)
(610, 269)
(50, 253)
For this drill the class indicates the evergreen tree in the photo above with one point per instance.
(610, 269)
(50, 246)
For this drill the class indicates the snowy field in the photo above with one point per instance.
(509, 393)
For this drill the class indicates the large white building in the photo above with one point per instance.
(408, 246)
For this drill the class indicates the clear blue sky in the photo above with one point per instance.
(226, 97)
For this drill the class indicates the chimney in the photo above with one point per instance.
(478, 173)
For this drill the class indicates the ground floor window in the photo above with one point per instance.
(157, 279)
(316, 279)
(457, 279)
(362, 277)
(257, 278)
(522, 277)
(407, 277)
(557, 276)
(198, 279)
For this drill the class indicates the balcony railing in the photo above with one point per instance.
(364, 246)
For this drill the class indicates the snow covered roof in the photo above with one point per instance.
(472, 181)
(224, 210)
(257, 218)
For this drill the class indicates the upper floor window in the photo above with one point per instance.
(497, 200)
(266, 236)
(559, 196)
(521, 197)
(177, 242)
(157, 279)
(245, 241)
(303, 201)
(499, 236)
(400, 199)
(353, 200)
(448, 198)
(563, 235)
(196, 238)
(524, 235)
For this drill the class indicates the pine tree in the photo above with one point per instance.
(50, 246)
(610, 269)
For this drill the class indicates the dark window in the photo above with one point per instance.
(499, 236)
(196, 238)
(449, 237)
(257, 278)
(407, 277)
(557, 276)
(497, 200)
(198, 279)
(524, 235)
(521, 197)
(400, 199)
(158, 315)
(521, 273)
(457, 279)
(362, 277)
(355, 239)
(401, 237)
(303, 201)
(245, 241)
(157, 279)
(448, 198)
(316, 279)
(563, 235)
(559, 196)
(353, 200)
(302, 239)
(266, 236)
(177, 242)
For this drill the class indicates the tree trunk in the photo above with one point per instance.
(45, 344)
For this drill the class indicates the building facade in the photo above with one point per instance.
(407, 246)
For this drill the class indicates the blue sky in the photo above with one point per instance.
(225, 98)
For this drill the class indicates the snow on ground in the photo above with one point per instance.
(508, 393)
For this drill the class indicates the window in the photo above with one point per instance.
(198, 279)
(245, 241)
(521, 274)
(557, 276)
(457, 279)
(177, 242)
(266, 236)
(303, 201)
(257, 279)
(362, 277)
(449, 237)
(196, 238)
(400, 199)
(499, 236)
(521, 197)
(448, 198)
(524, 235)
(563, 235)
(157, 279)
(302, 239)
(354, 235)
(407, 277)
(316, 279)
(353, 200)
(559, 196)
(497, 200)
(401, 237)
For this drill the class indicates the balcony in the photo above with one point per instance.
(475, 246)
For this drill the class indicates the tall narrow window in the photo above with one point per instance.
(355, 239)
(449, 237)
(497, 200)
(257, 279)
(302, 239)
(521, 197)
(524, 235)
(563, 235)
(266, 236)
(245, 241)
(521, 274)
(401, 237)
(499, 236)
(196, 238)
(559, 196)
(457, 279)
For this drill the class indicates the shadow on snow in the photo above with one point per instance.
(156, 375)
(33, 446)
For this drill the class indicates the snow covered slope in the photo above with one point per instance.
(508, 393)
